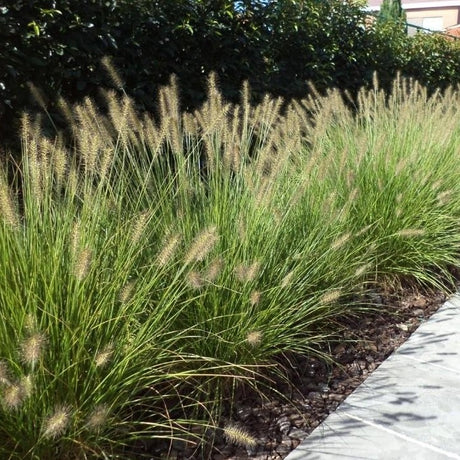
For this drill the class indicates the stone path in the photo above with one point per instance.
(409, 408)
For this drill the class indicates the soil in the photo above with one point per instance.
(315, 389)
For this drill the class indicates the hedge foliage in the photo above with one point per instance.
(277, 45)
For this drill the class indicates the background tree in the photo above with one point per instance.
(392, 11)
(276, 45)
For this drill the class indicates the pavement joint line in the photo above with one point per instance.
(430, 364)
(404, 437)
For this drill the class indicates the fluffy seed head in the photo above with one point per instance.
(26, 385)
(59, 164)
(104, 356)
(401, 166)
(444, 197)
(247, 273)
(82, 264)
(362, 270)
(255, 298)
(26, 131)
(195, 280)
(287, 279)
(330, 201)
(89, 151)
(4, 374)
(97, 418)
(72, 184)
(56, 424)
(214, 270)
(37, 95)
(202, 245)
(168, 250)
(410, 232)
(237, 435)
(364, 230)
(330, 297)
(353, 195)
(35, 170)
(254, 338)
(127, 292)
(66, 110)
(75, 236)
(139, 226)
(7, 209)
(32, 349)
(105, 163)
(436, 185)
(30, 323)
(13, 396)
(342, 240)
(113, 74)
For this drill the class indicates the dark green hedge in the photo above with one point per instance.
(277, 45)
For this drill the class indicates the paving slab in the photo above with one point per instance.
(409, 408)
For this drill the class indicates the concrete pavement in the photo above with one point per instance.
(409, 408)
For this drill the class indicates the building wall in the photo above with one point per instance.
(445, 17)
(429, 14)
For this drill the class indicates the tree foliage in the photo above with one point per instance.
(392, 11)
(278, 46)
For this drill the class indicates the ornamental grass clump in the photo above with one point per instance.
(88, 322)
(154, 265)
(401, 153)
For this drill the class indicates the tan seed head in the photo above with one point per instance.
(237, 435)
(140, 226)
(362, 270)
(56, 424)
(444, 197)
(195, 280)
(127, 292)
(214, 270)
(107, 62)
(247, 273)
(26, 385)
(37, 95)
(255, 298)
(410, 232)
(32, 349)
(7, 208)
(83, 264)
(30, 323)
(4, 374)
(104, 356)
(98, 417)
(341, 241)
(168, 250)
(202, 245)
(254, 338)
(13, 396)
(286, 281)
(331, 297)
